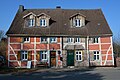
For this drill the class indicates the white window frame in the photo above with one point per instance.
(43, 22)
(96, 55)
(70, 40)
(77, 40)
(77, 23)
(45, 41)
(96, 40)
(44, 53)
(24, 54)
(79, 55)
(31, 22)
(52, 40)
(26, 39)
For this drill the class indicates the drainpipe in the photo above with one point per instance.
(88, 55)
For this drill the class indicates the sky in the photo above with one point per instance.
(110, 8)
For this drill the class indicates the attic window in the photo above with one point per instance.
(43, 22)
(77, 20)
(76, 23)
(31, 22)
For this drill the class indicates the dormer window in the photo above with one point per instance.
(42, 22)
(31, 22)
(77, 23)
(77, 20)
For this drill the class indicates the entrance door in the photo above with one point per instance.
(53, 58)
(70, 58)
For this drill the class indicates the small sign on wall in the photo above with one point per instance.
(29, 64)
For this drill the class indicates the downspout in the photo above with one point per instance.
(88, 55)
(34, 52)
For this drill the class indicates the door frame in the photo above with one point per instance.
(55, 58)
(73, 57)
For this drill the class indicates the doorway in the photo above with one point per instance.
(53, 58)
(70, 58)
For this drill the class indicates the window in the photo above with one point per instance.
(70, 40)
(77, 23)
(78, 55)
(77, 40)
(43, 39)
(31, 22)
(26, 39)
(96, 55)
(43, 55)
(24, 55)
(43, 22)
(53, 40)
(95, 40)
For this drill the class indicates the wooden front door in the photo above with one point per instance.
(70, 58)
(53, 58)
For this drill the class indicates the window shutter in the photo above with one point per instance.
(22, 39)
(82, 55)
(40, 55)
(74, 22)
(29, 55)
(19, 55)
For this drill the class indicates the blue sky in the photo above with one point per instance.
(110, 8)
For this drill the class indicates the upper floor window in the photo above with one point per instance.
(24, 55)
(77, 23)
(69, 40)
(96, 55)
(95, 40)
(43, 39)
(53, 40)
(26, 39)
(42, 22)
(31, 22)
(77, 40)
(78, 55)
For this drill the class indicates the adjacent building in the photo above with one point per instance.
(59, 38)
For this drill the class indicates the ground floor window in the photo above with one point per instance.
(78, 55)
(43, 55)
(24, 55)
(96, 55)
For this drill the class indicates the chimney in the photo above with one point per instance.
(21, 8)
(58, 7)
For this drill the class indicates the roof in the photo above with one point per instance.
(95, 24)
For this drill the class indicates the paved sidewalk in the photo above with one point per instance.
(50, 70)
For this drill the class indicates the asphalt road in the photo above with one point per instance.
(91, 74)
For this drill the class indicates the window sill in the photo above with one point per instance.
(44, 42)
(79, 60)
(24, 60)
(42, 26)
(70, 42)
(53, 42)
(26, 42)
